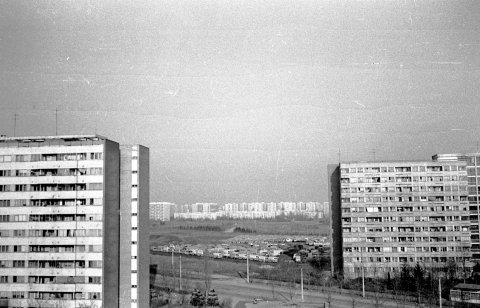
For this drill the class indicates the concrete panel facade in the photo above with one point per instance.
(60, 222)
(111, 224)
(396, 213)
(134, 233)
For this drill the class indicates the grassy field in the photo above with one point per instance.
(195, 267)
(193, 232)
(166, 235)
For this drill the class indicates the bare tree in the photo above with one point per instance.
(353, 302)
(226, 303)
(207, 271)
(329, 297)
(47, 303)
(89, 304)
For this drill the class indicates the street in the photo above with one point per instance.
(240, 291)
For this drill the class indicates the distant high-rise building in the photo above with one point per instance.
(473, 185)
(326, 209)
(161, 210)
(387, 214)
(68, 211)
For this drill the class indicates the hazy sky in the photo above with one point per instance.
(246, 100)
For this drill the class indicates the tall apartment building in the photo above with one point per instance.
(66, 222)
(473, 185)
(386, 214)
(134, 221)
(161, 210)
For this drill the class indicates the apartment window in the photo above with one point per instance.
(80, 248)
(19, 233)
(22, 158)
(20, 218)
(80, 233)
(21, 187)
(35, 157)
(5, 173)
(96, 171)
(95, 186)
(453, 168)
(4, 218)
(3, 279)
(19, 248)
(5, 188)
(94, 264)
(94, 295)
(18, 279)
(94, 248)
(96, 156)
(95, 279)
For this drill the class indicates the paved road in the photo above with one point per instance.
(238, 290)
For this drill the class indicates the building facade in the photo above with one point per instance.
(161, 210)
(387, 214)
(134, 222)
(60, 222)
(250, 210)
(473, 186)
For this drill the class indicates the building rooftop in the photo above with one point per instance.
(4, 138)
(453, 156)
(398, 162)
(467, 286)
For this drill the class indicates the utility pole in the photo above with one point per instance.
(363, 272)
(56, 122)
(440, 292)
(173, 270)
(180, 272)
(248, 272)
(15, 125)
(363, 281)
(301, 281)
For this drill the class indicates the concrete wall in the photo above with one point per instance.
(144, 228)
(125, 226)
(143, 238)
(335, 218)
(111, 227)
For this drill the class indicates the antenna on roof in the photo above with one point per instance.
(339, 155)
(14, 125)
(56, 122)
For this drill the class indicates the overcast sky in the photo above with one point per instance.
(246, 100)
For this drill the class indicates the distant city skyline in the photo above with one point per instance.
(246, 100)
(166, 211)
